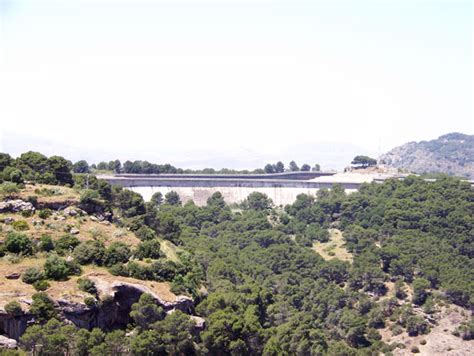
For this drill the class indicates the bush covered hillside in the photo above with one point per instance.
(452, 153)
(92, 269)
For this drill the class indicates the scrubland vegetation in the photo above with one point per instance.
(252, 272)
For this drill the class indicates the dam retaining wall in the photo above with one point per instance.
(231, 194)
(233, 189)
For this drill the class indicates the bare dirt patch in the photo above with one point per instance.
(440, 341)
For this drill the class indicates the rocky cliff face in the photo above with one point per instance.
(452, 154)
(111, 312)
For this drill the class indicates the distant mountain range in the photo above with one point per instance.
(452, 154)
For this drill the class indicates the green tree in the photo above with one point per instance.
(147, 343)
(279, 167)
(90, 252)
(117, 252)
(5, 160)
(81, 167)
(176, 332)
(42, 307)
(269, 168)
(144, 233)
(149, 249)
(146, 312)
(364, 161)
(116, 343)
(293, 167)
(305, 167)
(172, 198)
(316, 168)
(420, 290)
(257, 201)
(66, 243)
(13, 308)
(156, 199)
(14, 175)
(60, 168)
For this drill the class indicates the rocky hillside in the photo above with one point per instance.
(41, 223)
(452, 154)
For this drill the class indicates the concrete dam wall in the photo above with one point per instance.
(234, 189)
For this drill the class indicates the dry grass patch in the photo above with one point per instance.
(334, 248)
(49, 193)
(170, 250)
(15, 289)
(88, 229)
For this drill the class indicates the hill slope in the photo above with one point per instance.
(452, 154)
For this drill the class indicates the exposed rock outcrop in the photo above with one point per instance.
(16, 206)
(73, 211)
(7, 343)
(116, 300)
(111, 311)
(452, 154)
(14, 326)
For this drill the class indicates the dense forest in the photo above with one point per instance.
(251, 269)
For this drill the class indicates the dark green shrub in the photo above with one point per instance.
(164, 270)
(9, 190)
(20, 225)
(90, 302)
(18, 243)
(415, 350)
(139, 271)
(46, 243)
(90, 252)
(118, 269)
(257, 201)
(317, 233)
(27, 213)
(44, 213)
(13, 308)
(172, 198)
(41, 285)
(118, 252)
(32, 275)
(149, 249)
(416, 325)
(16, 176)
(59, 269)
(90, 202)
(74, 268)
(66, 243)
(86, 285)
(144, 233)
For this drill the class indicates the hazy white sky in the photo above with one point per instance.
(160, 79)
